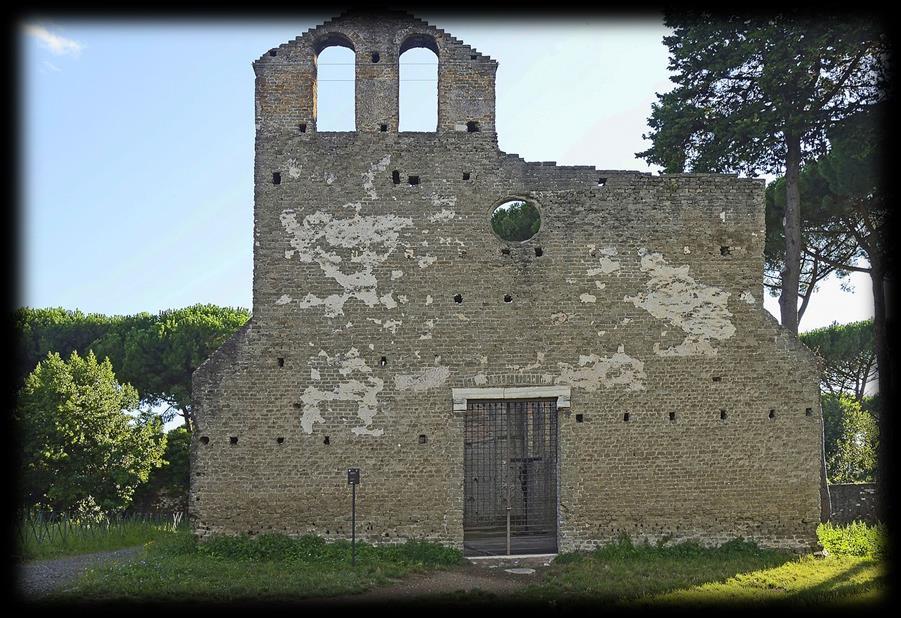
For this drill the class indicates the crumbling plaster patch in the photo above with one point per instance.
(559, 318)
(371, 239)
(317, 239)
(369, 176)
(424, 379)
(606, 267)
(293, 168)
(365, 394)
(539, 359)
(426, 261)
(442, 215)
(594, 372)
(674, 296)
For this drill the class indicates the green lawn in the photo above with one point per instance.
(685, 575)
(806, 581)
(734, 574)
(270, 567)
(274, 567)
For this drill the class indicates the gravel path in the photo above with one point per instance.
(39, 577)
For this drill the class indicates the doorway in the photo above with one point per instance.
(510, 477)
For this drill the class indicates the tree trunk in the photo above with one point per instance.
(883, 465)
(791, 272)
(188, 415)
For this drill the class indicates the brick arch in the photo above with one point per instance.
(419, 39)
(320, 44)
(332, 39)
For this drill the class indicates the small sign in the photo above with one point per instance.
(353, 476)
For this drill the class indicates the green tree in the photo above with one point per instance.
(825, 245)
(156, 353)
(515, 221)
(851, 438)
(160, 353)
(169, 483)
(758, 94)
(849, 356)
(82, 442)
(850, 199)
(54, 329)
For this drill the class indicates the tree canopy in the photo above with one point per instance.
(156, 353)
(849, 356)
(847, 209)
(744, 83)
(759, 94)
(168, 485)
(517, 221)
(55, 329)
(81, 447)
(826, 247)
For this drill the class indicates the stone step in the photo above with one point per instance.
(512, 562)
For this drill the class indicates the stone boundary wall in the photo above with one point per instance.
(853, 501)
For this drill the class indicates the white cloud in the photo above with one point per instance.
(51, 66)
(57, 44)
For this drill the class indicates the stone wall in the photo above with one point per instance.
(375, 296)
(853, 501)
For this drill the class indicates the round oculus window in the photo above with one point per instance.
(515, 220)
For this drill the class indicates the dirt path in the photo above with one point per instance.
(38, 577)
(480, 580)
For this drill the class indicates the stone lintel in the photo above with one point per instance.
(462, 395)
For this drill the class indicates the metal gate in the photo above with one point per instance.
(510, 477)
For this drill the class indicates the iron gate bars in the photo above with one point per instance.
(510, 477)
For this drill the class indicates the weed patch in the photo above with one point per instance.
(854, 539)
(40, 538)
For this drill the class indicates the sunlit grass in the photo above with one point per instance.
(737, 573)
(808, 580)
(621, 572)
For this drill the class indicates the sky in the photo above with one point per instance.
(137, 142)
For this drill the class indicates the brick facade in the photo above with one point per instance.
(645, 297)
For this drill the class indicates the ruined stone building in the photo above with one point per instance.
(616, 373)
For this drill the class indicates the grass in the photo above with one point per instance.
(270, 567)
(737, 573)
(621, 572)
(42, 539)
(803, 581)
(278, 568)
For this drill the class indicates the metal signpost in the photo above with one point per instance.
(353, 479)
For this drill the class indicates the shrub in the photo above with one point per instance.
(85, 445)
(851, 440)
(623, 547)
(854, 539)
(275, 547)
